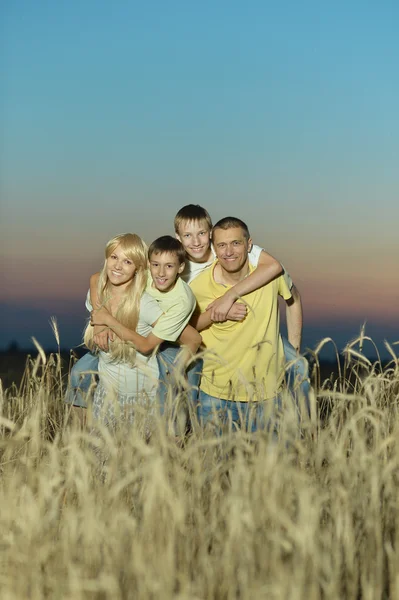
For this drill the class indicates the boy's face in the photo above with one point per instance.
(196, 239)
(164, 269)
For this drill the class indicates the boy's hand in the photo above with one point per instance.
(102, 337)
(220, 307)
(99, 316)
(237, 312)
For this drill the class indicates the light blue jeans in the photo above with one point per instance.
(248, 416)
(297, 377)
(80, 380)
(166, 358)
(251, 415)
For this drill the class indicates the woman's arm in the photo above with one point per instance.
(268, 269)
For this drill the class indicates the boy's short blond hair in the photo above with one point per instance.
(192, 212)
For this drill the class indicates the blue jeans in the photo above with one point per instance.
(81, 378)
(297, 376)
(166, 358)
(249, 416)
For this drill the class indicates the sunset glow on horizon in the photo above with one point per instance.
(284, 116)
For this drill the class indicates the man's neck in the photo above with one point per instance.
(225, 278)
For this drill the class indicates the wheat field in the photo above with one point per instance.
(110, 514)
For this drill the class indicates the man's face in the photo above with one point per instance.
(164, 269)
(231, 247)
(196, 239)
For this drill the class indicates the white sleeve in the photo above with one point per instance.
(150, 311)
(287, 278)
(254, 255)
(88, 303)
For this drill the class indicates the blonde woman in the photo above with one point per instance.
(126, 377)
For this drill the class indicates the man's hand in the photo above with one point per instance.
(102, 336)
(220, 307)
(237, 312)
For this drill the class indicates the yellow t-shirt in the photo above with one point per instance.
(244, 359)
(177, 306)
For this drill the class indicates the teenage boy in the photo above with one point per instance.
(193, 227)
(244, 365)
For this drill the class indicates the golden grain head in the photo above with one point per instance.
(93, 513)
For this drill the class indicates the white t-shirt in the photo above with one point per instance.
(123, 377)
(192, 269)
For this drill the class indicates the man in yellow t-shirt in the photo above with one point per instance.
(244, 358)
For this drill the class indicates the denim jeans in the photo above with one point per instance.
(166, 358)
(249, 416)
(81, 378)
(297, 376)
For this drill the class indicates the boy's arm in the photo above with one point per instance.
(101, 316)
(145, 345)
(101, 336)
(93, 290)
(203, 320)
(190, 338)
(294, 319)
(268, 269)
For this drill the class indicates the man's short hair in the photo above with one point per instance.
(230, 223)
(167, 243)
(192, 212)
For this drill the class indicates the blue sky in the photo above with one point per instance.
(114, 116)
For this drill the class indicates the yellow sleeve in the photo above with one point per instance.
(284, 287)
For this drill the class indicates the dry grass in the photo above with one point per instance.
(314, 515)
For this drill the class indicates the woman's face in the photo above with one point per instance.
(120, 269)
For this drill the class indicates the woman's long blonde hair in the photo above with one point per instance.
(129, 307)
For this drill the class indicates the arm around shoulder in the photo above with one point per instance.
(268, 268)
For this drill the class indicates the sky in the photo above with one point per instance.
(285, 114)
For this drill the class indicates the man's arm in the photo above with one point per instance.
(268, 269)
(294, 319)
